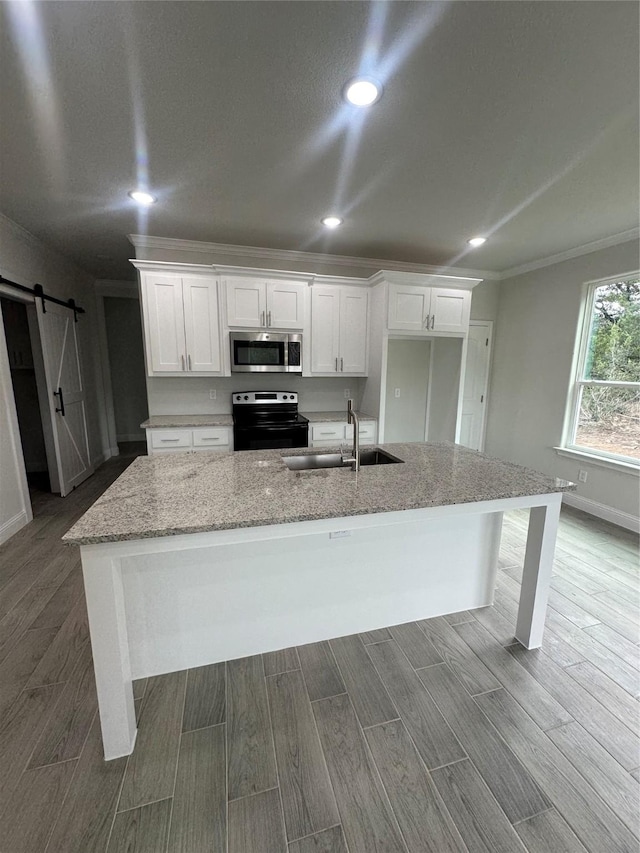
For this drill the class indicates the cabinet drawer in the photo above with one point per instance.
(210, 437)
(165, 439)
(327, 432)
(366, 432)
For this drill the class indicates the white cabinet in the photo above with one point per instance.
(182, 323)
(172, 440)
(331, 434)
(339, 330)
(415, 308)
(258, 303)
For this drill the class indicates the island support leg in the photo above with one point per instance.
(536, 577)
(109, 643)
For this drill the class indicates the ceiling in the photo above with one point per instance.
(514, 120)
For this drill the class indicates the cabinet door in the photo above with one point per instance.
(450, 309)
(325, 329)
(201, 324)
(409, 307)
(162, 304)
(354, 303)
(285, 304)
(246, 303)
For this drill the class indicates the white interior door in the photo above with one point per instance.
(476, 382)
(65, 392)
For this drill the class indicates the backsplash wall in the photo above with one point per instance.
(182, 395)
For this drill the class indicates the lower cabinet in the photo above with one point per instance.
(168, 440)
(323, 434)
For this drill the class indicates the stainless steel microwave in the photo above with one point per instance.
(265, 352)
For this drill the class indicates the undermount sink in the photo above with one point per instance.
(313, 461)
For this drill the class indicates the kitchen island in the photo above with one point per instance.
(191, 559)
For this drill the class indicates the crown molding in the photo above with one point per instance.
(585, 249)
(141, 241)
(398, 277)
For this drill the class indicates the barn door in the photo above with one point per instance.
(65, 392)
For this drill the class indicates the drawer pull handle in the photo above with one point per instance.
(169, 439)
(211, 438)
(328, 432)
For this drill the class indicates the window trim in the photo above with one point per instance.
(572, 411)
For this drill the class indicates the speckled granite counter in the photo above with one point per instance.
(170, 421)
(325, 417)
(188, 493)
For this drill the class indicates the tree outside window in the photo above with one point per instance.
(606, 407)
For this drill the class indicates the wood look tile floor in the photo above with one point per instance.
(442, 735)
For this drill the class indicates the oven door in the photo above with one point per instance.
(270, 436)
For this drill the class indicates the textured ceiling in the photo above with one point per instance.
(518, 120)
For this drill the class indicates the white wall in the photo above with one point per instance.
(534, 345)
(484, 300)
(407, 371)
(190, 395)
(26, 260)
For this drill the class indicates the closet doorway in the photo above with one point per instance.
(23, 365)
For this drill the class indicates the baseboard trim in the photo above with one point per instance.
(615, 516)
(10, 527)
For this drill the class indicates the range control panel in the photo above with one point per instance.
(260, 397)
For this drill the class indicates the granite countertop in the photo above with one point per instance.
(171, 494)
(169, 421)
(323, 417)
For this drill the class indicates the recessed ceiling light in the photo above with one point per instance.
(331, 221)
(362, 91)
(142, 197)
(477, 241)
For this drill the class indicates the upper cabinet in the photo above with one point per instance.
(181, 323)
(339, 330)
(257, 303)
(416, 308)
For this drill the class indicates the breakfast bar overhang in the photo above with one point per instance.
(191, 561)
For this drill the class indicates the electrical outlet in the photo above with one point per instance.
(347, 393)
(212, 394)
(397, 392)
(582, 476)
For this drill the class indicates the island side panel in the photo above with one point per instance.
(536, 576)
(187, 608)
(110, 647)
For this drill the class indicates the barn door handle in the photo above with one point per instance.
(58, 393)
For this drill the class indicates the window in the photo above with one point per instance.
(604, 416)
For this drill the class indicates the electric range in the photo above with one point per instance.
(267, 419)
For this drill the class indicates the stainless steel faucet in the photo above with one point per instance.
(353, 418)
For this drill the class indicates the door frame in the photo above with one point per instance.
(120, 290)
(487, 383)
